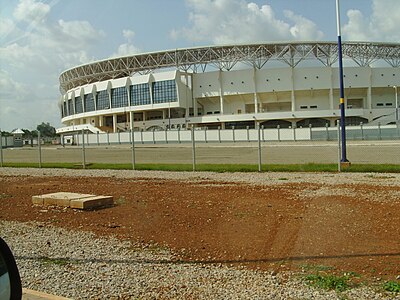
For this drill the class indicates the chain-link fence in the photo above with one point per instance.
(262, 146)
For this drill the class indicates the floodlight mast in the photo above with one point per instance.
(342, 103)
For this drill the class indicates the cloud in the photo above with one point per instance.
(232, 21)
(31, 11)
(128, 34)
(127, 48)
(382, 25)
(34, 50)
(303, 28)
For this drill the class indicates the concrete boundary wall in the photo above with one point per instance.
(387, 132)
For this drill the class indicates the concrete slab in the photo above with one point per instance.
(92, 202)
(58, 199)
(73, 200)
(37, 200)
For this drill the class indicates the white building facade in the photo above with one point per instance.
(289, 84)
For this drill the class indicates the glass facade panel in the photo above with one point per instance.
(89, 102)
(140, 94)
(164, 91)
(78, 105)
(119, 97)
(70, 107)
(102, 100)
(64, 112)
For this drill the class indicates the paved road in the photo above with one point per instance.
(226, 153)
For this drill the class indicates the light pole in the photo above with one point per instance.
(342, 104)
(396, 104)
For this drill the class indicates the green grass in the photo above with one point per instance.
(221, 168)
(55, 261)
(328, 282)
(392, 286)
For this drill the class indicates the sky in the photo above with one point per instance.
(39, 39)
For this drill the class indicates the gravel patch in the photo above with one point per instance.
(386, 179)
(81, 266)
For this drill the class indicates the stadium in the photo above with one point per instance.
(289, 85)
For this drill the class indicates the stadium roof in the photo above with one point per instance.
(227, 56)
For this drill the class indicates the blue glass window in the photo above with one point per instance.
(102, 100)
(119, 97)
(89, 102)
(140, 94)
(164, 91)
(78, 105)
(70, 107)
(64, 111)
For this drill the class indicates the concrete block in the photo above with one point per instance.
(92, 202)
(58, 199)
(37, 200)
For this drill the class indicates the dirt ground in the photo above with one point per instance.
(289, 226)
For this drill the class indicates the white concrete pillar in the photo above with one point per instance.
(255, 90)
(221, 92)
(114, 122)
(331, 106)
(293, 98)
(131, 120)
(369, 92)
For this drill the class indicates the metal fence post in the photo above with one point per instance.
(97, 138)
(1, 149)
(233, 133)
(166, 135)
(154, 136)
(219, 134)
(310, 125)
(179, 135)
(327, 131)
(205, 134)
(193, 151)
(108, 138)
(119, 136)
(83, 150)
(262, 131)
(40, 149)
(259, 150)
(133, 148)
(362, 131)
(398, 129)
(379, 131)
(339, 148)
(294, 133)
(248, 134)
(279, 132)
(141, 135)
(87, 138)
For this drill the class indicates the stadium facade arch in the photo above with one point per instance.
(285, 84)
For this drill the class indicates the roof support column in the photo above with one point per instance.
(114, 122)
(221, 93)
(255, 90)
(331, 90)
(293, 98)
(131, 120)
(369, 93)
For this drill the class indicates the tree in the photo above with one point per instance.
(46, 130)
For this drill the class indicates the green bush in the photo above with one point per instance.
(328, 282)
(392, 286)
